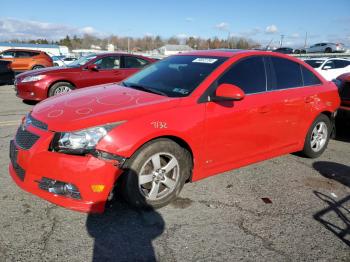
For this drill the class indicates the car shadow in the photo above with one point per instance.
(30, 102)
(336, 216)
(124, 233)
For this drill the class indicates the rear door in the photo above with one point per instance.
(23, 60)
(287, 102)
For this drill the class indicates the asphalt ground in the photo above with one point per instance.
(286, 209)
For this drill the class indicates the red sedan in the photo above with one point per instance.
(185, 118)
(86, 71)
(344, 92)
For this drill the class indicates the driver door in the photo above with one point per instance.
(238, 131)
(107, 71)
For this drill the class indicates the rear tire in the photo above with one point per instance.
(38, 67)
(317, 137)
(155, 174)
(328, 50)
(60, 88)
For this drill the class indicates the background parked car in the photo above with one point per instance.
(86, 71)
(344, 93)
(6, 73)
(284, 50)
(24, 59)
(324, 48)
(62, 60)
(330, 68)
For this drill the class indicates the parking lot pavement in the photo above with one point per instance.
(285, 209)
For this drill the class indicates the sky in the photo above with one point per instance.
(262, 21)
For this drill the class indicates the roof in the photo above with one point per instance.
(24, 45)
(221, 52)
(176, 48)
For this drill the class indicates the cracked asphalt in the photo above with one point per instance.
(221, 218)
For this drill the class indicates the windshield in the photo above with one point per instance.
(82, 61)
(175, 76)
(314, 63)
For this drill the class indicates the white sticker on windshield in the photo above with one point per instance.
(205, 60)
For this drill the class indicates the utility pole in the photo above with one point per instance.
(282, 37)
(305, 43)
(128, 45)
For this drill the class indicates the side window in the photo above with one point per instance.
(287, 73)
(134, 62)
(329, 65)
(108, 63)
(309, 78)
(339, 64)
(23, 54)
(8, 54)
(248, 74)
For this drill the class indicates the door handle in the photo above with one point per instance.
(264, 109)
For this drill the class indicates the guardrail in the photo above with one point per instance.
(323, 55)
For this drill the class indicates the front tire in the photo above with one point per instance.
(317, 137)
(60, 88)
(328, 50)
(156, 174)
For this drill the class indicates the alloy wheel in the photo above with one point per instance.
(159, 176)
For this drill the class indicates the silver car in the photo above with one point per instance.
(324, 48)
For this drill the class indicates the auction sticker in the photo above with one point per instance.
(205, 60)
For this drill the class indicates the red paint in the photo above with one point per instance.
(221, 138)
(79, 77)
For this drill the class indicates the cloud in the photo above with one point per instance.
(12, 28)
(223, 26)
(189, 19)
(271, 29)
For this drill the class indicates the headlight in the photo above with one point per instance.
(32, 78)
(83, 141)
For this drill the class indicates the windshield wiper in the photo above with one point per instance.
(144, 88)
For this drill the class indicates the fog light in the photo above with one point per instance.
(32, 93)
(59, 188)
(97, 188)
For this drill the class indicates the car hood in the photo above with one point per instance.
(98, 105)
(46, 70)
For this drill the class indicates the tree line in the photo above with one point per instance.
(145, 43)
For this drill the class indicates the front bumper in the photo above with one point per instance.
(36, 91)
(83, 171)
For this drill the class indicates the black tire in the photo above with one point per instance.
(297, 51)
(37, 67)
(328, 50)
(309, 150)
(54, 89)
(135, 194)
(302, 52)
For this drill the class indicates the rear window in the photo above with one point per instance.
(287, 73)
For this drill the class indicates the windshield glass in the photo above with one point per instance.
(314, 63)
(82, 61)
(175, 76)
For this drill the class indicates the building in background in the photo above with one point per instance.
(51, 50)
(167, 50)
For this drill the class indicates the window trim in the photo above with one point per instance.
(204, 98)
(97, 59)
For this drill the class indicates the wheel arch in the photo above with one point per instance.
(57, 81)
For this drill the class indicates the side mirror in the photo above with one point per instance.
(228, 92)
(92, 67)
(326, 67)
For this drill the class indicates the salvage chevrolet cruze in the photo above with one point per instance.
(181, 119)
